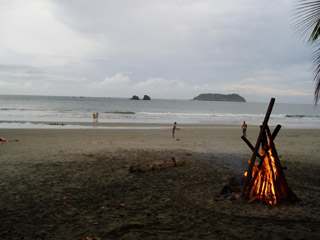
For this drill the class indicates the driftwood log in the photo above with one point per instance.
(173, 162)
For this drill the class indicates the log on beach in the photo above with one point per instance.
(173, 162)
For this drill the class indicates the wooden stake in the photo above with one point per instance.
(282, 182)
(250, 145)
(275, 132)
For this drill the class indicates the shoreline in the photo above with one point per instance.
(102, 125)
(123, 125)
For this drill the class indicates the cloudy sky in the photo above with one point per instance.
(172, 49)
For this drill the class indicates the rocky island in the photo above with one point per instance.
(145, 97)
(220, 97)
(134, 97)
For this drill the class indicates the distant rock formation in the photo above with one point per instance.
(134, 97)
(220, 97)
(146, 97)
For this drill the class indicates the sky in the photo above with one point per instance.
(167, 49)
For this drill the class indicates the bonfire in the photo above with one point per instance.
(265, 179)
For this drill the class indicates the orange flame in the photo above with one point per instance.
(266, 173)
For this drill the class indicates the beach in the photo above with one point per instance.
(75, 184)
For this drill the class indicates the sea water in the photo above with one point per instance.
(28, 109)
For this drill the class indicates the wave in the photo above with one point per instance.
(301, 116)
(35, 109)
(19, 109)
(236, 115)
(117, 112)
(199, 115)
(136, 116)
(67, 113)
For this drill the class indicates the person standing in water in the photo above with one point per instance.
(174, 128)
(244, 129)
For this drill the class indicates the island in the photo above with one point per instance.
(220, 97)
(134, 97)
(146, 97)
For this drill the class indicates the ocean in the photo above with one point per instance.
(21, 111)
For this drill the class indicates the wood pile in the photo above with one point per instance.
(265, 179)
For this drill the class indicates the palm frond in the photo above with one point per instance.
(307, 23)
(307, 19)
(315, 33)
(316, 69)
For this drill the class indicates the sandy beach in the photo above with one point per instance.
(76, 184)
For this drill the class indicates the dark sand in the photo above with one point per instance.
(74, 184)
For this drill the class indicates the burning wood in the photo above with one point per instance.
(265, 179)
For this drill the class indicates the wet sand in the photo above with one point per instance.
(75, 183)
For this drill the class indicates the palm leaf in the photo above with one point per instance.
(307, 23)
(315, 33)
(316, 62)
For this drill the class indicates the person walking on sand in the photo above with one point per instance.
(94, 117)
(244, 129)
(174, 128)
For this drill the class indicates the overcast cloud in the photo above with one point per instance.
(172, 49)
